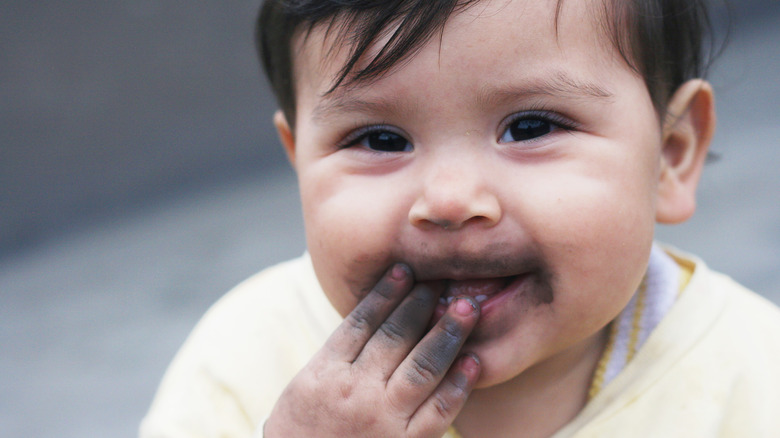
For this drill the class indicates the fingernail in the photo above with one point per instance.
(470, 362)
(464, 306)
(399, 272)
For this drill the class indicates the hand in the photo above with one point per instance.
(374, 377)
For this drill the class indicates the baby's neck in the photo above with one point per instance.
(538, 402)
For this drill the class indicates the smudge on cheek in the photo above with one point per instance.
(537, 296)
(541, 291)
(363, 271)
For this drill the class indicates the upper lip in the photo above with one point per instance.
(468, 268)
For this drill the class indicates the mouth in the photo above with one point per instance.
(503, 281)
(480, 290)
(493, 295)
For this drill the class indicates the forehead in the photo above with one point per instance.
(565, 42)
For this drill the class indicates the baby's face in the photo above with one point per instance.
(521, 165)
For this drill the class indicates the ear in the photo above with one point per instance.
(687, 133)
(285, 135)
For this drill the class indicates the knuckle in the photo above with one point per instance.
(459, 385)
(393, 331)
(384, 289)
(451, 329)
(444, 407)
(359, 319)
(423, 370)
(345, 391)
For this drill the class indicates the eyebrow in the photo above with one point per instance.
(343, 104)
(558, 84)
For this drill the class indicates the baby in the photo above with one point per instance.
(480, 182)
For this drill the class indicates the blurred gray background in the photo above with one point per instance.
(140, 179)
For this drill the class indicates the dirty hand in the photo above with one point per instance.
(375, 377)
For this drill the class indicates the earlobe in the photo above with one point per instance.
(687, 133)
(285, 135)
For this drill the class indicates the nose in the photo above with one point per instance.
(455, 194)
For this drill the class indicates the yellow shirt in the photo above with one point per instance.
(710, 368)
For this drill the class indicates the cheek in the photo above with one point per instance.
(604, 199)
(596, 228)
(350, 230)
(608, 223)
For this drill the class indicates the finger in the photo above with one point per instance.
(349, 338)
(422, 370)
(402, 330)
(438, 412)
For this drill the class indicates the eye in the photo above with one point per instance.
(531, 126)
(527, 129)
(379, 139)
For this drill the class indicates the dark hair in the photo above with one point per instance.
(660, 39)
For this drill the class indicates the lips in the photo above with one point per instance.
(500, 278)
(479, 289)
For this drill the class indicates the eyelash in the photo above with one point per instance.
(555, 119)
(360, 132)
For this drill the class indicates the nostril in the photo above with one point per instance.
(449, 225)
(443, 223)
(479, 220)
(431, 224)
